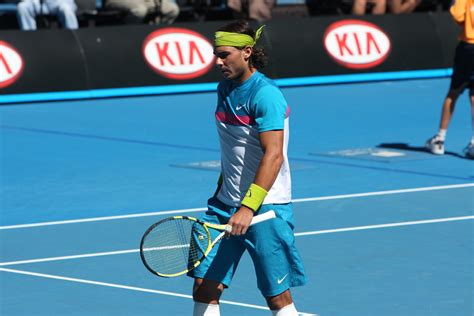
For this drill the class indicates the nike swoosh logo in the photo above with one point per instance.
(282, 279)
(238, 107)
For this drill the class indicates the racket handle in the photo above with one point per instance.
(263, 217)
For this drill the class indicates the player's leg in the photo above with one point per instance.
(448, 108)
(206, 295)
(459, 81)
(282, 304)
(278, 265)
(469, 150)
(471, 96)
(216, 272)
(436, 143)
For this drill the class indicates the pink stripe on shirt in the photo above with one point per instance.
(228, 118)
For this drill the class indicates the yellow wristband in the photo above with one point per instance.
(254, 197)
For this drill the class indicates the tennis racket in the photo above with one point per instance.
(178, 244)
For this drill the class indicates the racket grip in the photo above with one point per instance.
(263, 217)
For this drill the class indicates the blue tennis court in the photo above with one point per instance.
(384, 228)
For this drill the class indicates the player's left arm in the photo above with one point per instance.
(267, 172)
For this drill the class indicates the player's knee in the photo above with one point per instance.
(279, 301)
(205, 291)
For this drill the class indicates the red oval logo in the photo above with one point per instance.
(178, 53)
(11, 65)
(356, 44)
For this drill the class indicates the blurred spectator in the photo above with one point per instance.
(28, 10)
(403, 6)
(142, 11)
(259, 10)
(360, 6)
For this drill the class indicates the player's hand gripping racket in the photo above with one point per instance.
(178, 244)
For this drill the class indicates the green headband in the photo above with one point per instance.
(236, 39)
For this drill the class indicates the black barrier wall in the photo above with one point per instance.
(147, 56)
(52, 61)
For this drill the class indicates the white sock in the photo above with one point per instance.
(288, 310)
(203, 309)
(442, 134)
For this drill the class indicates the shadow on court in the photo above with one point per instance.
(422, 149)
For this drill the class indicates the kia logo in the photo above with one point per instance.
(356, 44)
(11, 65)
(178, 53)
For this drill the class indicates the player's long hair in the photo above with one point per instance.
(259, 58)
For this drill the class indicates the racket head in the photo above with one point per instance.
(175, 246)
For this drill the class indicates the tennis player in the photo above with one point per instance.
(462, 78)
(252, 119)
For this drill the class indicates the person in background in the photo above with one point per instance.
(403, 6)
(463, 76)
(360, 6)
(258, 10)
(28, 10)
(159, 11)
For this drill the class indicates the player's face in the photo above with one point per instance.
(233, 62)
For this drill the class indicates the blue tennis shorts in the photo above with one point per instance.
(271, 245)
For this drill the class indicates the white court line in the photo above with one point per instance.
(105, 218)
(317, 232)
(322, 198)
(345, 196)
(428, 221)
(87, 255)
(126, 287)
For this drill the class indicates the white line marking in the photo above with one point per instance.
(105, 218)
(88, 255)
(356, 195)
(347, 229)
(318, 232)
(322, 198)
(126, 287)
(49, 276)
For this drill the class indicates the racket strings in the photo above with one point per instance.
(175, 246)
